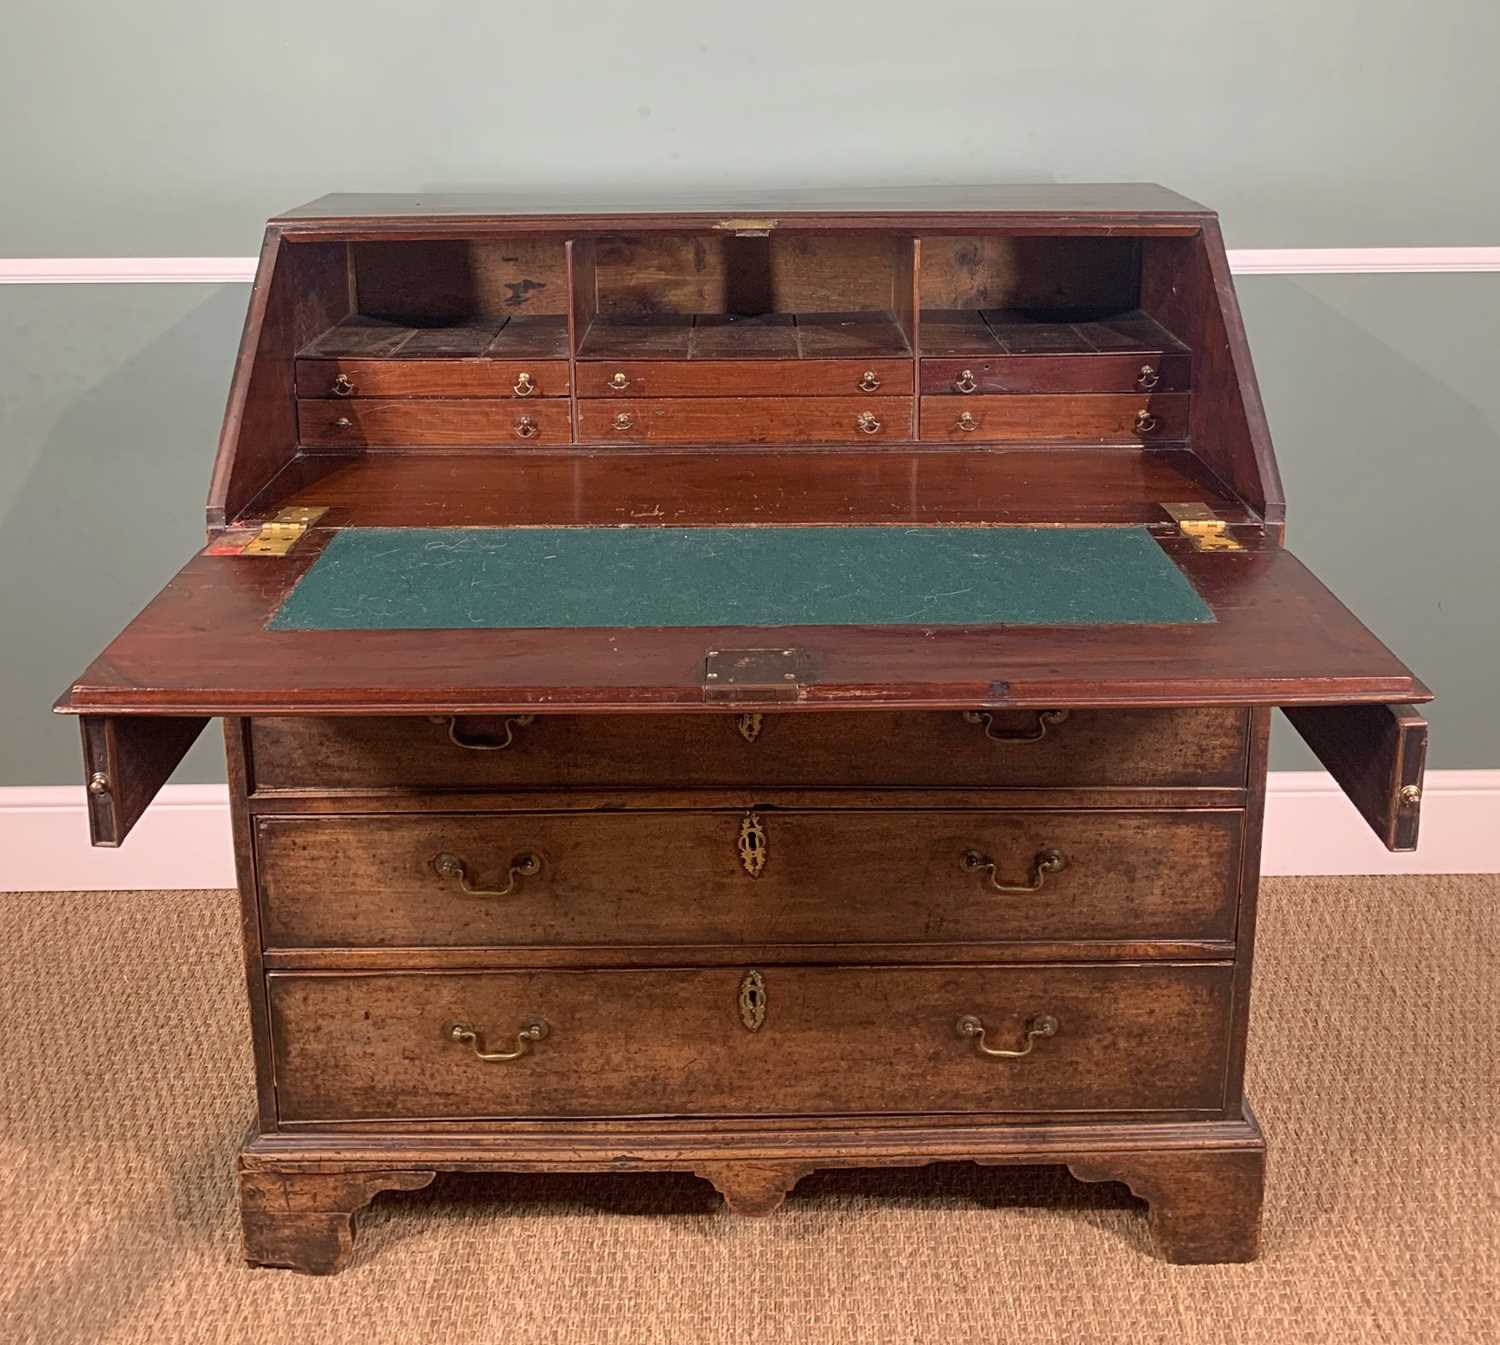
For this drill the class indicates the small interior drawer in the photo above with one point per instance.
(393, 422)
(356, 378)
(744, 378)
(1058, 374)
(1138, 418)
(750, 1041)
(745, 420)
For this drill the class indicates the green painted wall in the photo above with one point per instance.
(175, 126)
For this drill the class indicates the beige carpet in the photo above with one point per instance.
(126, 1091)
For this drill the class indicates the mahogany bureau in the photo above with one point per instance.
(744, 690)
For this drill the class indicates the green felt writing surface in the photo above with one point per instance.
(528, 578)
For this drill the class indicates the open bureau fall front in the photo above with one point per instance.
(746, 689)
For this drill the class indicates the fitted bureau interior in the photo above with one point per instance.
(751, 337)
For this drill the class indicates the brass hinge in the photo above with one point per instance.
(1200, 525)
(279, 535)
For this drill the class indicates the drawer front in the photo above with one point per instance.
(1059, 374)
(393, 422)
(925, 749)
(354, 378)
(745, 420)
(1098, 419)
(650, 879)
(744, 378)
(830, 1040)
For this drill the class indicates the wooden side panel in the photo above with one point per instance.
(300, 290)
(127, 760)
(1377, 753)
(1186, 286)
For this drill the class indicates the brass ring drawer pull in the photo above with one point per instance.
(867, 423)
(512, 722)
(1042, 1025)
(343, 423)
(1149, 378)
(343, 386)
(1045, 719)
(966, 422)
(870, 382)
(523, 386)
(1145, 422)
(619, 382)
(522, 866)
(464, 1033)
(526, 428)
(1043, 863)
(965, 382)
(622, 421)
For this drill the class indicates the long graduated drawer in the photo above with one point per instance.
(750, 1041)
(754, 877)
(1021, 749)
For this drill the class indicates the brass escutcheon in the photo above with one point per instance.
(1148, 379)
(1045, 719)
(1042, 863)
(524, 386)
(752, 1000)
(753, 845)
(870, 382)
(450, 866)
(965, 382)
(749, 726)
(464, 1033)
(1041, 1025)
(343, 386)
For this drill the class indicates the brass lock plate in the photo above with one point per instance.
(755, 674)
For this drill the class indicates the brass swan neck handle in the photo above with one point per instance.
(450, 866)
(1043, 863)
(465, 1033)
(1042, 1025)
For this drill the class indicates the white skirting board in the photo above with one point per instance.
(184, 842)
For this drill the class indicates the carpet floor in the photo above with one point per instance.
(126, 1091)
